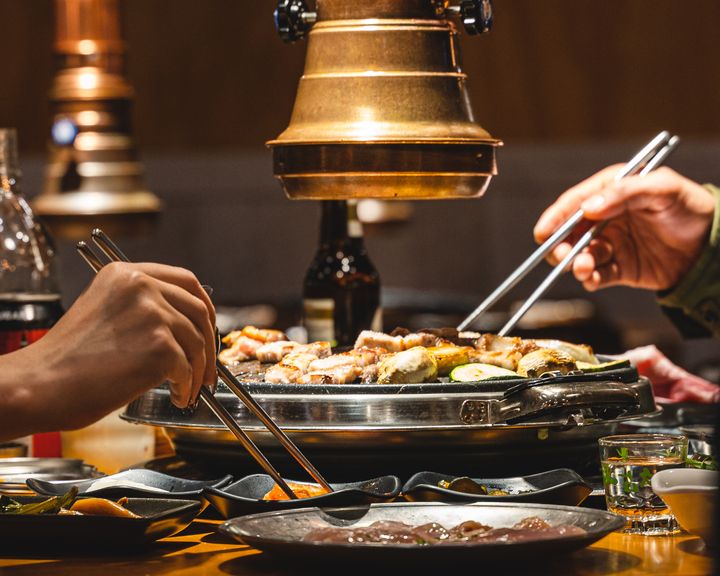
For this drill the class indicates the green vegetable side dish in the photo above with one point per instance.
(701, 461)
(477, 372)
(49, 506)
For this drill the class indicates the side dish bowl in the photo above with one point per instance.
(136, 482)
(691, 495)
(246, 495)
(87, 535)
(559, 486)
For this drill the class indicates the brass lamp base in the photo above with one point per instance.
(406, 171)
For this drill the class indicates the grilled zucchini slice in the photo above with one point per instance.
(477, 372)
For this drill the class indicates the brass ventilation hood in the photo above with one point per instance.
(94, 178)
(382, 109)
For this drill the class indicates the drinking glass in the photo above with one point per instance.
(628, 463)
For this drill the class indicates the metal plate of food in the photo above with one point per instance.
(366, 399)
(466, 532)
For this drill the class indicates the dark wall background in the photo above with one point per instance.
(569, 85)
(214, 74)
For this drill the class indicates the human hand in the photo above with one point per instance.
(657, 227)
(670, 382)
(135, 326)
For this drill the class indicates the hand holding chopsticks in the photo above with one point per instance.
(113, 253)
(648, 158)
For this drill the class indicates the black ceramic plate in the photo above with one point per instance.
(282, 533)
(135, 482)
(87, 535)
(560, 486)
(245, 495)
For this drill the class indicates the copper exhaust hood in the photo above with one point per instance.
(94, 177)
(382, 109)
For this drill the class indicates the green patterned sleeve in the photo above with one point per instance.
(697, 296)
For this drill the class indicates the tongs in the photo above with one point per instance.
(647, 159)
(113, 253)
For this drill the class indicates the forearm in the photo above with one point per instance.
(19, 414)
(39, 392)
(698, 294)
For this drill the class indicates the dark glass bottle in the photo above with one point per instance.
(29, 289)
(341, 293)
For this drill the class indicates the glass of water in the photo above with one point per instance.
(628, 463)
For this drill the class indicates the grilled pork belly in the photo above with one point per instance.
(360, 357)
(321, 349)
(290, 368)
(338, 375)
(503, 351)
(419, 339)
(370, 374)
(507, 359)
(371, 339)
(275, 351)
(581, 352)
(241, 349)
(300, 360)
(263, 335)
(280, 374)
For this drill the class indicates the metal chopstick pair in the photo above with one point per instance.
(652, 155)
(113, 253)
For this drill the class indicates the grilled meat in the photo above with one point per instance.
(241, 349)
(263, 335)
(502, 351)
(581, 352)
(339, 375)
(275, 351)
(370, 339)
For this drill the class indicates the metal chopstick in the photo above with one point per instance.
(651, 163)
(109, 247)
(113, 252)
(648, 152)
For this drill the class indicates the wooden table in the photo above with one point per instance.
(200, 550)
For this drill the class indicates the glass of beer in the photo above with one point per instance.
(628, 463)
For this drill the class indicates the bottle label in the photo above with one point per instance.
(11, 340)
(377, 321)
(319, 319)
(354, 227)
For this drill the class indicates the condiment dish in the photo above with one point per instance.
(691, 495)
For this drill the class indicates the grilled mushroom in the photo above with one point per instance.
(408, 367)
(536, 363)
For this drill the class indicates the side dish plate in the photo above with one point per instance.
(135, 482)
(559, 486)
(88, 535)
(245, 495)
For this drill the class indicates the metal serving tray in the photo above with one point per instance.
(353, 431)
(414, 413)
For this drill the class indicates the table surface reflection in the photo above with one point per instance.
(199, 549)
